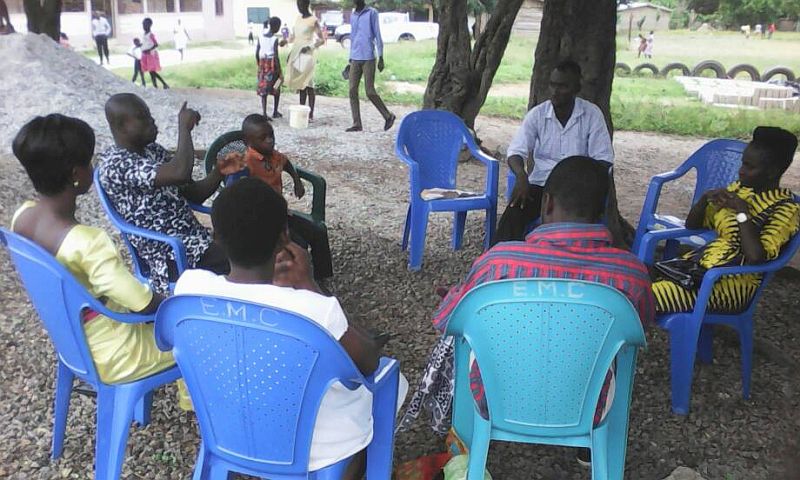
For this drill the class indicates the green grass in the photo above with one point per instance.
(637, 103)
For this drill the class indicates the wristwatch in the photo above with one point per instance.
(742, 217)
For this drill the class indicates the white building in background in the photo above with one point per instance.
(253, 13)
(204, 19)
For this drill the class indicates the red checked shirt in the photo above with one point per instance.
(574, 251)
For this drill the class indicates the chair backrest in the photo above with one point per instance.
(232, 141)
(256, 376)
(141, 267)
(717, 163)
(547, 341)
(58, 299)
(433, 140)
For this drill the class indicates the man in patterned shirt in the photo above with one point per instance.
(151, 188)
(570, 244)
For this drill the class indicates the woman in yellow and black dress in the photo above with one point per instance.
(753, 217)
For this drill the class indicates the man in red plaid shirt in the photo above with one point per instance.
(570, 244)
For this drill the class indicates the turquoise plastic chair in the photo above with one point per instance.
(544, 347)
(59, 300)
(257, 375)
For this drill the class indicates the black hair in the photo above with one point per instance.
(275, 23)
(256, 121)
(50, 147)
(248, 218)
(779, 144)
(569, 66)
(580, 186)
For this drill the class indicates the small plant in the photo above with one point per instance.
(165, 458)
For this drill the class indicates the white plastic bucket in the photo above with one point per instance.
(298, 116)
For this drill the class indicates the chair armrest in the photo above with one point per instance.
(714, 274)
(646, 245)
(98, 307)
(318, 194)
(379, 377)
(492, 166)
(176, 245)
(198, 207)
(413, 171)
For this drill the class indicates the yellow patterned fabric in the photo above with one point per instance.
(779, 217)
(121, 352)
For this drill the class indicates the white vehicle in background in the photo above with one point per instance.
(395, 27)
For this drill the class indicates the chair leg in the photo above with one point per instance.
(683, 348)
(490, 226)
(64, 379)
(479, 449)
(600, 454)
(419, 226)
(705, 346)
(406, 230)
(142, 412)
(115, 407)
(459, 221)
(746, 341)
(202, 465)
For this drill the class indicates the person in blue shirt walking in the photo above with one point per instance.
(365, 38)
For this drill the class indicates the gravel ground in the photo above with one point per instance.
(724, 437)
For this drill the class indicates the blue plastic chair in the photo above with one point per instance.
(544, 347)
(256, 376)
(59, 300)
(717, 164)
(429, 142)
(691, 333)
(140, 267)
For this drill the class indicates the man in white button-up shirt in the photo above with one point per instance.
(561, 127)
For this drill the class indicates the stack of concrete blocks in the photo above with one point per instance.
(741, 93)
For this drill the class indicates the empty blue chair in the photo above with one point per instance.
(256, 376)
(126, 230)
(544, 347)
(717, 166)
(59, 299)
(691, 333)
(429, 142)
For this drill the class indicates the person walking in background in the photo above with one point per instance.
(302, 62)
(181, 38)
(770, 30)
(648, 49)
(150, 60)
(101, 30)
(285, 32)
(365, 38)
(642, 45)
(250, 39)
(5, 20)
(136, 53)
(269, 66)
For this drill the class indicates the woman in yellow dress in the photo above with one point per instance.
(56, 152)
(753, 217)
(300, 66)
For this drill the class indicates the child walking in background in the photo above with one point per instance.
(136, 53)
(270, 76)
(150, 61)
(268, 165)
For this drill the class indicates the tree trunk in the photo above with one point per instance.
(462, 75)
(584, 31)
(44, 16)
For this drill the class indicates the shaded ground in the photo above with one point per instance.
(724, 437)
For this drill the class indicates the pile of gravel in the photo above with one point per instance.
(41, 77)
